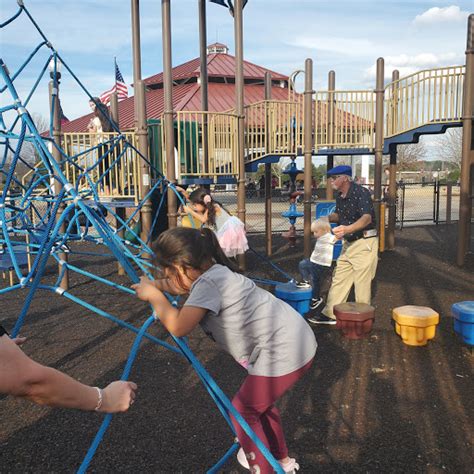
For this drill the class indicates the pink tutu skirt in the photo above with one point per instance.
(232, 238)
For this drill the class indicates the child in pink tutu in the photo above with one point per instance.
(230, 230)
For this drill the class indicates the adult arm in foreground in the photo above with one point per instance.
(21, 376)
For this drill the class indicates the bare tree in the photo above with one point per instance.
(449, 147)
(409, 157)
(28, 155)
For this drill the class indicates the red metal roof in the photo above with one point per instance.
(185, 97)
(154, 108)
(221, 98)
(218, 65)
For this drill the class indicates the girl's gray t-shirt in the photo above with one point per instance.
(263, 333)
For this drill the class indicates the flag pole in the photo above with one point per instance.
(115, 72)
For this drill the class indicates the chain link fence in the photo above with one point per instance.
(417, 203)
(255, 208)
(421, 203)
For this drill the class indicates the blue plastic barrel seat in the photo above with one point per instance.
(463, 313)
(297, 298)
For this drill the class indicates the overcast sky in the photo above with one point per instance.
(345, 35)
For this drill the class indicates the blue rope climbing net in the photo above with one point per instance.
(45, 217)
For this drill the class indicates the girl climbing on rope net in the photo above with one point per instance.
(262, 333)
(230, 230)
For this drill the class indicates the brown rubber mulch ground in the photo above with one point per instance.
(373, 405)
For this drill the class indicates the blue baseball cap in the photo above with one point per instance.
(339, 170)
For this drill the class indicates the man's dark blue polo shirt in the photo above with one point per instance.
(351, 208)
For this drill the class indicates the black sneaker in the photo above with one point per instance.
(315, 303)
(321, 319)
(302, 284)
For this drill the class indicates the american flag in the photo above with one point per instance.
(120, 87)
(63, 119)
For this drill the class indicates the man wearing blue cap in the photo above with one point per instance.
(357, 263)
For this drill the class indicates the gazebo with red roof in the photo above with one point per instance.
(187, 85)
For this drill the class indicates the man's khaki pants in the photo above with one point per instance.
(356, 266)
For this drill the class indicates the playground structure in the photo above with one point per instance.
(59, 200)
(205, 147)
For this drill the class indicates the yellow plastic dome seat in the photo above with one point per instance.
(416, 325)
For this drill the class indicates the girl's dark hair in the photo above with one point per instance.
(102, 112)
(189, 248)
(197, 197)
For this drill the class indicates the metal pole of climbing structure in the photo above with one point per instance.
(120, 211)
(140, 122)
(392, 182)
(142, 132)
(308, 153)
(268, 168)
(467, 162)
(379, 112)
(331, 112)
(55, 102)
(137, 62)
(168, 111)
(204, 79)
(239, 99)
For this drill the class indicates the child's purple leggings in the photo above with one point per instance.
(255, 402)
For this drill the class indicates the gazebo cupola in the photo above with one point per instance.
(217, 48)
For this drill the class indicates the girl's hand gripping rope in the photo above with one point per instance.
(146, 289)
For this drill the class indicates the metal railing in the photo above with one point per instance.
(104, 160)
(344, 119)
(426, 97)
(97, 160)
(273, 128)
(200, 131)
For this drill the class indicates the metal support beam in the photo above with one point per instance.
(392, 182)
(168, 110)
(120, 211)
(140, 121)
(467, 163)
(54, 99)
(239, 99)
(308, 152)
(268, 171)
(379, 130)
(331, 128)
(142, 134)
(204, 80)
